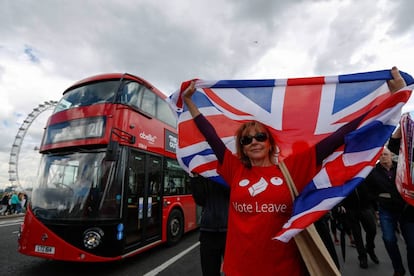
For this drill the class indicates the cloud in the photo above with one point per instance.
(31, 54)
(401, 13)
(46, 46)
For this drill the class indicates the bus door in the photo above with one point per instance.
(143, 188)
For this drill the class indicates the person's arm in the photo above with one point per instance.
(203, 125)
(372, 190)
(395, 84)
(395, 142)
(397, 133)
(326, 146)
(187, 98)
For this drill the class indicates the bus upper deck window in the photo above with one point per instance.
(148, 102)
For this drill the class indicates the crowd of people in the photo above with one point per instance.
(377, 203)
(13, 203)
(373, 202)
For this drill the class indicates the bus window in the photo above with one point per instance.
(187, 185)
(148, 102)
(76, 186)
(140, 97)
(88, 95)
(136, 177)
(110, 201)
(132, 94)
(164, 112)
(175, 179)
(62, 174)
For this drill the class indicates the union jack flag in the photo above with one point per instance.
(405, 171)
(298, 110)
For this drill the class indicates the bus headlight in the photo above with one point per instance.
(92, 238)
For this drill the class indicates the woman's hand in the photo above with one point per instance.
(190, 90)
(187, 94)
(397, 81)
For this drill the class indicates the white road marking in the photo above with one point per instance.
(170, 261)
(4, 223)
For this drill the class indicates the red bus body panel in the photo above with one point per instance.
(34, 233)
(149, 136)
(187, 205)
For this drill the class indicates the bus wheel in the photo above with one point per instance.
(175, 227)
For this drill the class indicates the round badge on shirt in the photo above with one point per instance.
(276, 181)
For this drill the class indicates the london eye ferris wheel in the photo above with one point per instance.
(18, 140)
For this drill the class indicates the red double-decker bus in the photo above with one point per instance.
(109, 184)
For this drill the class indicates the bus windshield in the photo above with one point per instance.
(76, 186)
(100, 92)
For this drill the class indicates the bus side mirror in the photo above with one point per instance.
(112, 151)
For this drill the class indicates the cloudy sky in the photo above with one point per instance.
(47, 45)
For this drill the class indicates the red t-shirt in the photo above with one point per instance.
(260, 203)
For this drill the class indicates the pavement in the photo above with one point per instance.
(350, 266)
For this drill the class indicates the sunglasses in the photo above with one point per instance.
(259, 137)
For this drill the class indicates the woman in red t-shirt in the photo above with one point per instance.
(260, 201)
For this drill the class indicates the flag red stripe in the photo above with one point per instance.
(227, 128)
(304, 110)
(306, 81)
(222, 103)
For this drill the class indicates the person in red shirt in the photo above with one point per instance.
(260, 201)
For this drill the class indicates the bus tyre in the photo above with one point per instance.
(175, 227)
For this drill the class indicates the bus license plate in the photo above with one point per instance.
(45, 249)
